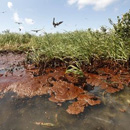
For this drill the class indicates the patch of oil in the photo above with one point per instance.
(37, 113)
(21, 114)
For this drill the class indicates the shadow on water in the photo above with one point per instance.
(22, 114)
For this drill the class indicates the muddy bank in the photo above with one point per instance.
(9, 59)
(107, 76)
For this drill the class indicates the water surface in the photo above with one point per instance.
(21, 114)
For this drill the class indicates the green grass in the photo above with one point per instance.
(78, 46)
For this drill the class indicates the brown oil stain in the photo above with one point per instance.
(25, 81)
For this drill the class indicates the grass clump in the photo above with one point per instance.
(75, 70)
(15, 41)
(81, 46)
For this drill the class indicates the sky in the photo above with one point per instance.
(75, 14)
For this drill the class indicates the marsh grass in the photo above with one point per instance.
(75, 70)
(81, 46)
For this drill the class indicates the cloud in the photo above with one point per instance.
(10, 5)
(97, 4)
(16, 17)
(72, 1)
(29, 21)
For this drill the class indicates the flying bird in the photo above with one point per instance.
(3, 12)
(18, 23)
(56, 24)
(36, 30)
(20, 29)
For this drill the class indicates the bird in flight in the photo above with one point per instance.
(3, 12)
(37, 30)
(56, 24)
(20, 29)
(18, 23)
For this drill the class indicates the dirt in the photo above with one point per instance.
(23, 79)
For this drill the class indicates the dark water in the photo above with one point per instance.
(21, 114)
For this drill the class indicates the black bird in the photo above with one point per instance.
(18, 23)
(20, 29)
(56, 24)
(36, 31)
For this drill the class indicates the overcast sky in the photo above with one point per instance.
(76, 14)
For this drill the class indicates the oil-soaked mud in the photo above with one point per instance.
(24, 96)
(10, 60)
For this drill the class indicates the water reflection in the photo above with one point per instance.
(22, 114)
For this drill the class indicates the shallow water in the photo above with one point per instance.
(21, 114)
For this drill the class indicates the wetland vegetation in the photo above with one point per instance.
(80, 45)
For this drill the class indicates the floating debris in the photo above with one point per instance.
(104, 120)
(83, 101)
(122, 110)
(44, 124)
(63, 91)
(76, 107)
(106, 79)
